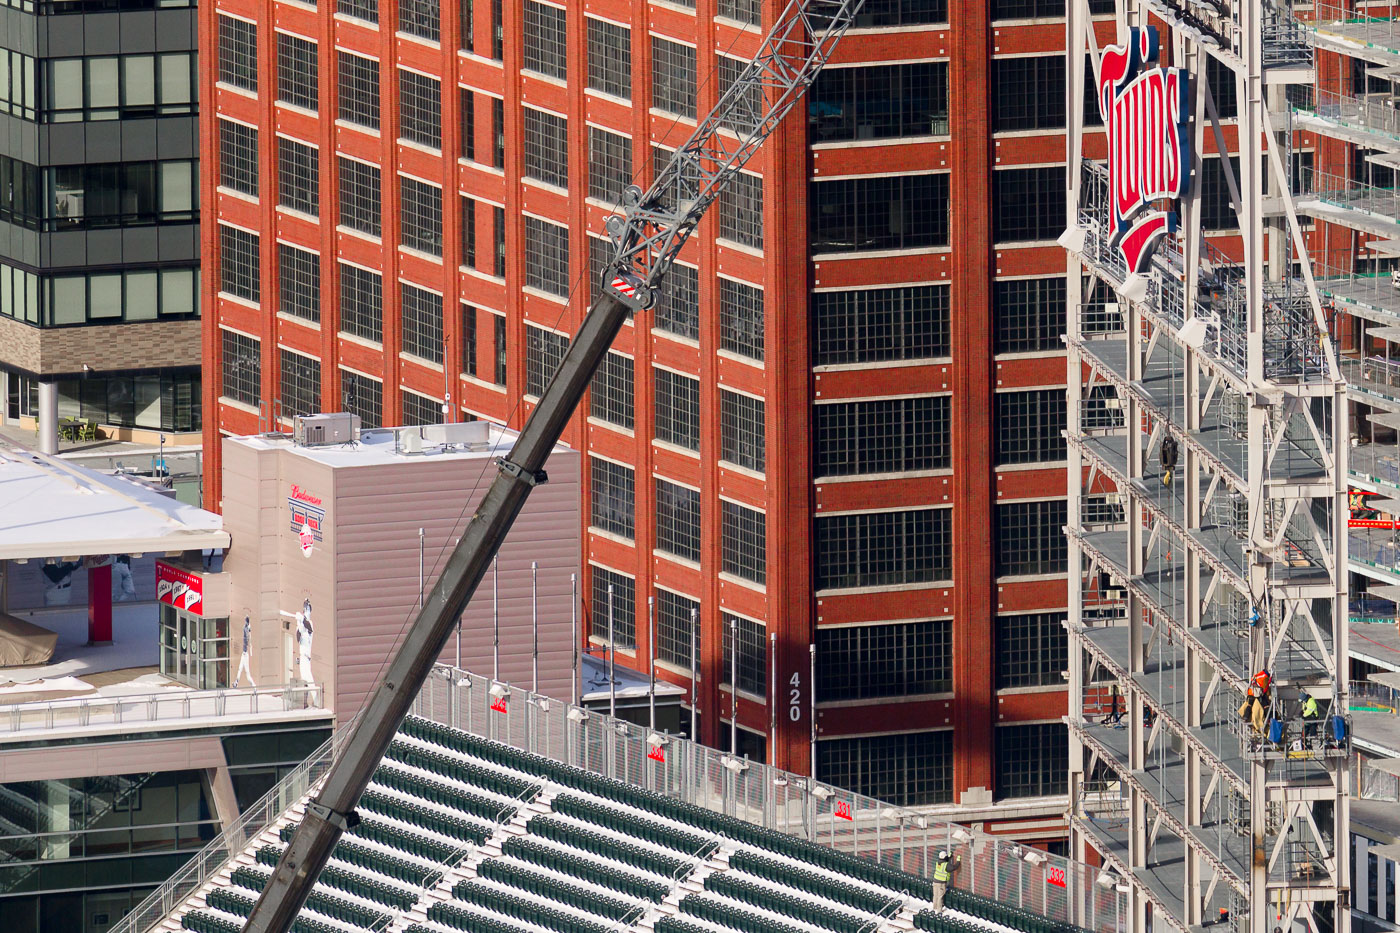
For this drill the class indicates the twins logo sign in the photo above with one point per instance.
(1147, 115)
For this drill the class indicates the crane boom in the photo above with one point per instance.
(646, 239)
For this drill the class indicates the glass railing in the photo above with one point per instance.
(147, 709)
(1345, 110)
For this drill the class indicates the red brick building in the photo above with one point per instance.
(840, 425)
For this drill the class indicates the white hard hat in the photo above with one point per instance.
(942, 853)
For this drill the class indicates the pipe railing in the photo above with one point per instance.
(171, 705)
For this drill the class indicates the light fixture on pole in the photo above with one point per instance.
(735, 764)
(498, 689)
(821, 793)
(577, 715)
(1036, 857)
(962, 835)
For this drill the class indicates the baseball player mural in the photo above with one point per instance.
(243, 663)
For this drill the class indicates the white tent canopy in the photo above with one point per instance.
(54, 508)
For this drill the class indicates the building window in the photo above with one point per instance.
(741, 430)
(677, 520)
(420, 18)
(1032, 760)
(896, 435)
(884, 548)
(238, 53)
(615, 617)
(498, 238)
(610, 58)
(865, 662)
(907, 770)
(300, 386)
(743, 542)
(359, 196)
(609, 165)
(420, 109)
(546, 147)
(466, 110)
(419, 409)
(741, 210)
(901, 13)
(600, 255)
(547, 256)
(880, 324)
(752, 663)
(468, 340)
(1028, 315)
(19, 88)
(672, 77)
(100, 87)
(896, 212)
(1030, 426)
(422, 323)
(297, 62)
(92, 195)
(298, 176)
(367, 10)
(677, 408)
(1222, 87)
(611, 393)
(546, 48)
(1030, 93)
(242, 359)
(613, 497)
(1028, 203)
(238, 157)
(1031, 650)
(420, 216)
(132, 294)
(880, 102)
(465, 26)
(1217, 210)
(677, 309)
(499, 335)
(239, 266)
(1031, 538)
(676, 618)
(741, 318)
(363, 396)
(468, 207)
(498, 33)
(745, 11)
(361, 303)
(299, 283)
(743, 117)
(358, 87)
(544, 351)
(498, 133)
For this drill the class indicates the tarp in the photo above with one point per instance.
(23, 643)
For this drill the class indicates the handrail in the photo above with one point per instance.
(19, 717)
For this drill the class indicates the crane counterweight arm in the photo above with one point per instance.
(646, 239)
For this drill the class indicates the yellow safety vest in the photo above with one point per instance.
(940, 871)
(1310, 709)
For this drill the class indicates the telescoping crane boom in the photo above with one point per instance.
(646, 239)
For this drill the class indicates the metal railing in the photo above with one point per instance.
(205, 863)
(1369, 696)
(1337, 19)
(172, 705)
(1347, 110)
(898, 837)
(1348, 194)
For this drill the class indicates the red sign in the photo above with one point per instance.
(304, 496)
(1055, 876)
(843, 810)
(179, 588)
(1147, 115)
(657, 753)
(499, 705)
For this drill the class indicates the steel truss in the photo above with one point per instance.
(1199, 574)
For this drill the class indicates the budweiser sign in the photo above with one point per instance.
(1147, 115)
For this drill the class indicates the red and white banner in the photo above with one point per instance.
(1147, 115)
(179, 588)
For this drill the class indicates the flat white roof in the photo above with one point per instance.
(52, 508)
(473, 440)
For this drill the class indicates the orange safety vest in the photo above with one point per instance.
(1262, 680)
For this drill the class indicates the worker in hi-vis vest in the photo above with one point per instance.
(943, 873)
(1312, 715)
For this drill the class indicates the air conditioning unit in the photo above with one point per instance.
(323, 430)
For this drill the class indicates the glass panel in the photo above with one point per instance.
(176, 186)
(106, 296)
(175, 78)
(66, 88)
(177, 291)
(69, 304)
(141, 296)
(102, 85)
(140, 75)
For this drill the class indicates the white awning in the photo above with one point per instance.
(53, 508)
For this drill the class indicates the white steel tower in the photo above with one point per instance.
(1207, 496)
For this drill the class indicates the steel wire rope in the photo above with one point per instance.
(566, 305)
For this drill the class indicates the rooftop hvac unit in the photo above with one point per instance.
(322, 430)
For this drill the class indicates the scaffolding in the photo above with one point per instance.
(1207, 429)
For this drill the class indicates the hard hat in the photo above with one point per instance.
(942, 853)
